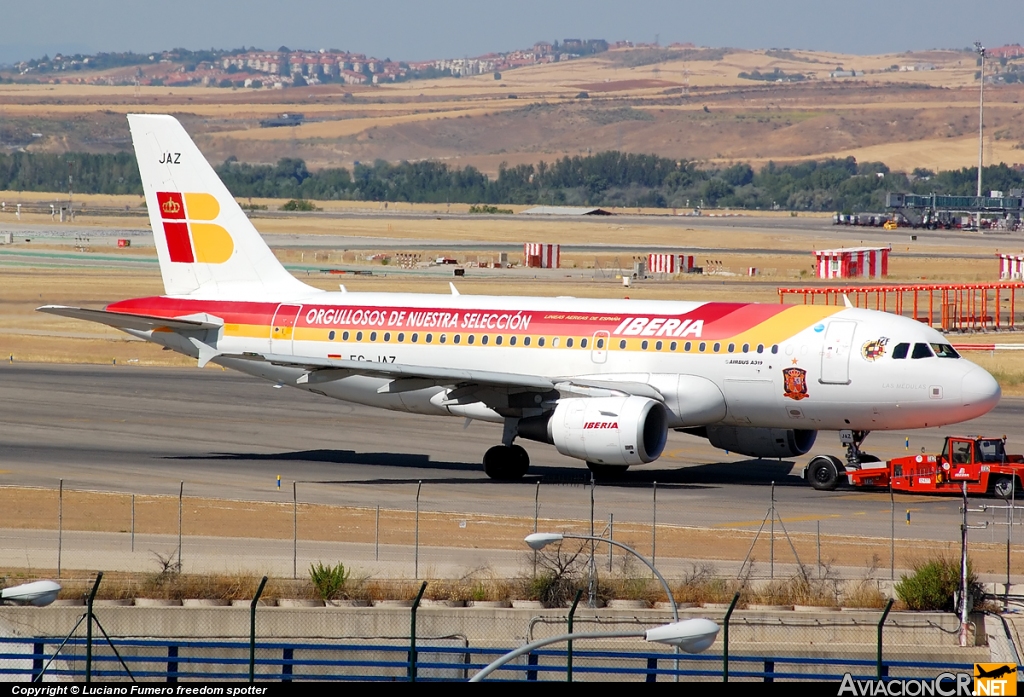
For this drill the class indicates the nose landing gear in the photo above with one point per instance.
(824, 471)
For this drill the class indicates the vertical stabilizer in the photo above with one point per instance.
(206, 244)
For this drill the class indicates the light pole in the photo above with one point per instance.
(981, 116)
(539, 540)
(692, 636)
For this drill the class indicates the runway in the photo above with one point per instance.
(143, 430)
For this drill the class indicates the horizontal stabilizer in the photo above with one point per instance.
(121, 320)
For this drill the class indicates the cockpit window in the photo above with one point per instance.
(921, 351)
(900, 350)
(945, 351)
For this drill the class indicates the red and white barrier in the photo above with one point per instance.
(541, 256)
(669, 263)
(1011, 267)
(856, 262)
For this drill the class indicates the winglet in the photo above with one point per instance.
(455, 291)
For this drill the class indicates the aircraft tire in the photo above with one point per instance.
(504, 464)
(823, 473)
(607, 472)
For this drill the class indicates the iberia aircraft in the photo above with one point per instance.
(601, 380)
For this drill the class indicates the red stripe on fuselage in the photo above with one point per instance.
(721, 320)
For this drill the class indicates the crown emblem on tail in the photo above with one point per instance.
(171, 206)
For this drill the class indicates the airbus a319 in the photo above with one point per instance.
(604, 381)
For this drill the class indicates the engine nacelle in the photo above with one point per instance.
(605, 430)
(761, 442)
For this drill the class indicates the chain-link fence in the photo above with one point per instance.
(424, 531)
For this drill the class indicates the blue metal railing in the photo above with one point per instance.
(173, 660)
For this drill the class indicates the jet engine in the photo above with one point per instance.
(603, 430)
(759, 442)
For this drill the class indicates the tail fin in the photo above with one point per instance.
(206, 245)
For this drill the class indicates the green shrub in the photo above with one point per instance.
(329, 581)
(299, 204)
(493, 210)
(933, 583)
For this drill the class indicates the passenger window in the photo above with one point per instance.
(945, 351)
(583, 343)
(687, 346)
(775, 348)
(600, 343)
(526, 341)
(622, 343)
(430, 338)
(511, 341)
(344, 336)
(921, 351)
(484, 339)
(540, 341)
(760, 348)
(401, 337)
(387, 336)
(732, 347)
(718, 347)
(673, 346)
(900, 351)
(458, 339)
(746, 347)
(497, 340)
(554, 342)
(373, 336)
(470, 339)
(359, 336)
(657, 345)
(701, 347)
(441, 338)
(644, 344)
(415, 337)
(330, 336)
(568, 343)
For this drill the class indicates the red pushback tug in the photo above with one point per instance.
(980, 462)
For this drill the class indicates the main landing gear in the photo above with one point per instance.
(507, 462)
(607, 472)
(823, 471)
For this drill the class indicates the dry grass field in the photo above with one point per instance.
(687, 104)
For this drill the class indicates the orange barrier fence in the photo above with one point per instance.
(950, 307)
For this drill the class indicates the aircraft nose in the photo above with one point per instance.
(980, 390)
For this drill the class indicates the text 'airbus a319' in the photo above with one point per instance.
(601, 380)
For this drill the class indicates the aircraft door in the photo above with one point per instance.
(282, 329)
(599, 351)
(835, 354)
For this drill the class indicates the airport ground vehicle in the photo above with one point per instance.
(980, 462)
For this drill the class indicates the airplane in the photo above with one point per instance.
(604, 381)
(996, 673)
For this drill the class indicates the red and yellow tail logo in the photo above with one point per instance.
(190, 238)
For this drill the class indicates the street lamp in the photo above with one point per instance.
(540, 540)
(981, 117)
(692, 636)
(37, 593)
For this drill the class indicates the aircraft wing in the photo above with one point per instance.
(413, 377)
(121, 320)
